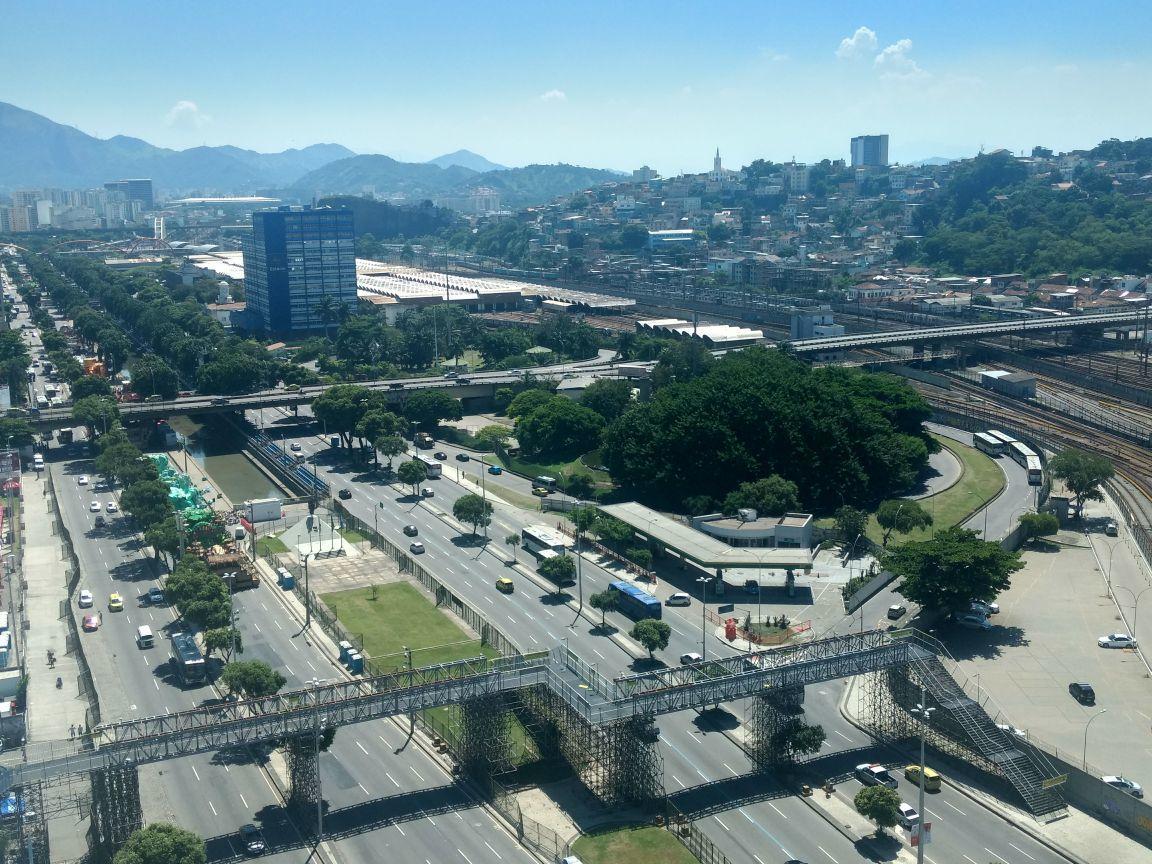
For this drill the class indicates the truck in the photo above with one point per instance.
(424, 440)
(262, 509)
(234, 568)
(187, 663)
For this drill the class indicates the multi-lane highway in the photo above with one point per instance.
(706, 773)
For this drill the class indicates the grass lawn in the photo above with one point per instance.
(268, 546)
(555, 469)
(644, 845)
(524, 502)
(982, 479)
(400, 615)
(352, 535)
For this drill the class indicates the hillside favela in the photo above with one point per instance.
(631, 433)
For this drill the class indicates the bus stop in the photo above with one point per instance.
(705, 552)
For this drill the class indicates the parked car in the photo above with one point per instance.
(1116, 640)
(875, 774)
(1111, 529)
(411, 530)
(897, 611)
(416, 548)
(505, 585)
(986, 608)
(679, 599)
(85, 600)
(1125, 785)
(1082, 693)
(252, 839)
(91, 623)
(974, 621)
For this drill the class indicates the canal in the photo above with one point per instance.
(219, 448)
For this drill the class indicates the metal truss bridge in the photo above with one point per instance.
(594, 698)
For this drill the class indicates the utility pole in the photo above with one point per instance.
(925, 714)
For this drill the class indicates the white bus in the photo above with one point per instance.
(435, 469)
(544, 541)
(985, 443)
(1002, 437)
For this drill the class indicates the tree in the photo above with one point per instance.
(413, 472)
(633, 237)
(163, 536)
(116, 460)
(605, 601)
(161, 843)
(96, 413)
(200, 595)
(494, 435)
(608, 397)
(153, 374)
(652, 634)
(90, 385)
(473, 510)
(328, 310)
(223, 639)
(1033, 525)
(851, 522)
(1083, 473)
(528, 401)
(903, 515)
(612, 531)
(580, 485)
(253, 679)
(880, 804)
(768, 496)
(497, 345)
(952, 569)
(391, 446)
(341, 407)
(429, 407)
(512, 540)
(377, 423)
(797, 738)
(560, 570)
(147, 502)
(559, 429)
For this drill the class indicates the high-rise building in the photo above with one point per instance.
(870, 151)
(295, 258)
(134, 190)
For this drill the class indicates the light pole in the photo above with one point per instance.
(316, 743)
(375, 519)
(703, 580)
(1135, 604)
(1084, 756)
(1108, 572)
(307, 595)
(925, 714)
(984, 502)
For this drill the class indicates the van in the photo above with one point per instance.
(931, 778)
(144, 637)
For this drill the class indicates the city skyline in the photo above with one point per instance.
(614, 87)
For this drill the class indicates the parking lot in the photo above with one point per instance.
(1045, 638)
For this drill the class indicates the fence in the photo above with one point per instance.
(693, 838)
(529, 832)
(1141, 534)
(635, 569)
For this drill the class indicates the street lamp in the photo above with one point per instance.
(1108, 572)
(316, 682)
(925, 714)
(307, 594)
(1084, 757)
(1135, 604)
(375, 519)
(703, 580)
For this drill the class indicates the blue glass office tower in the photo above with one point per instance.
(295, 257)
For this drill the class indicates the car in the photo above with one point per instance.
(1011, 730)
(91, 623)
(345, 494)
(111, 507)
(252, 839)
(95, 507)
(411, 530)
(156, 596)
(1111, 529)
(220, 400)
(505, 585)
(155, 397)
(875, 774)
(690, 657)
(679, 599)
(452, 374)
(441, 455)
(115, 603)
(495, 469)
(295, 448)
(462, 457)
(986, 608)
(541, 491)
(427, 492)
(1125, 785)
(1082, 693)
(974, 621)
(751, 586)
(908, 815)
(98, 522)
(85, 600)
(897, 611)
(1116, 640)
(293, 388)
(82, 480)
(395, 385)
(416, 548)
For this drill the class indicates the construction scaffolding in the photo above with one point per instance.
(302, 755)
(484, 747)
(770, 718)
(116, 810)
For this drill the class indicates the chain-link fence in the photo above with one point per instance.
(693, 838)
(1140, 532)
(529, 832)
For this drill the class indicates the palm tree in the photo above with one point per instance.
(328, 309)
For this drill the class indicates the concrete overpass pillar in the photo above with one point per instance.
(116, 811)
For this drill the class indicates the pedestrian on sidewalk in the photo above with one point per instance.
(72, 732)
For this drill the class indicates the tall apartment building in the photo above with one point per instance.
(870, 151)
(294, 258)
(134, 190)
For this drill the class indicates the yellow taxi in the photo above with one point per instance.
(504, 585)
(931, 778)
(115, 603)
(541, 491)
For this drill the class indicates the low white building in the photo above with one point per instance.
(749, 530)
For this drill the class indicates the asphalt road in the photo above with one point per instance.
(752, 820)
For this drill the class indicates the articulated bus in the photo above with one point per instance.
(1002, 437)
(1029, 460)
(635, 602)
(985, 443)
(435, 469)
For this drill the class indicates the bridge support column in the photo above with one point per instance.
(116, 810)
(303, 778)
(772, 716)
(485, 746)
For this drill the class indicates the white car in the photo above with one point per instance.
(85, 600)
(111, 507)
(1116, 640)
(974, 621)
(296, 448)
(875, 774)
(1125, 785)
(679, 599)
(95, 507)
(908, 815)
(82, 480)
(416, 548)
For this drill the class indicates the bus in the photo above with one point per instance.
(635, 602)
(545, 482)
(187, 661)
(1029, 460)
(435, 469)
(1003, 438)
(985, 443)
(545, 542)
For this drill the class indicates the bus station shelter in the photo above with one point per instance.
(704, 551)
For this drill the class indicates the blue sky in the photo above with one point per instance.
(588, 82)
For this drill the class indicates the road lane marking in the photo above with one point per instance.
(933, 815)
(433, 821)
(1021, 851)
(310, 666)
(362, 789)
(214, 813)
(157, 683)
(533, 638)
(842, 735)
(825, 851)
(598, 654)
(489, 599)
(466, 582)
(417, 773)
(244, 800)
(277, 623)
(510, 618)
(393, 779)
(289, 668)
(494, 852)
(194, 771)
(361, 746)
(995, 855)
(465, 857)
(678, 780)
(954, 807)
(721, 821)
(729, 767)
(777, 809)
(973, 862)
(401, 830)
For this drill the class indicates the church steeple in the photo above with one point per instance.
(717, 168)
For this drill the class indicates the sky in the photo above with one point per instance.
(610, 85)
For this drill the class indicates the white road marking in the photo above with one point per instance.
(489, 599)
(194, 771)
(825, 851)
(533, 638)
(729, 767)
(401, 830)
(973, 862)
(1021, 851)
(598, 654)
(417, 773)
(957, 809)
(277, 623)
(777, 809)
(361, 785)
(244, 800)
(257, 626)
(995, 855)
(933, 815)
(213, 807)
(361, 746)
(758, 858)
(466, 582)
(157, 683)
(494, 852)
(678, 780)
(842, 735)
(393, 779)
(510, 618)
(289, 668)
(465, 857)
(310, 666)
(433, 821)
(721, 821)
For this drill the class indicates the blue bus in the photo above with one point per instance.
(635, 602)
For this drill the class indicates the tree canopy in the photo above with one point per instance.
(252, 679)
(560, 570)
(769, 496)
(652, 634)
(147, 501)
(952, 569)
(843, 436)
(879, 804)
(903, 515)
(161, 843)
(1083, 473)
(472, 510)
(200, 595)
(605, 601)
(429, 407)
(413, 472)
(608, 397)
(559, 429)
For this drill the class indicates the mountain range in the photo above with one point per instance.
(37, 152)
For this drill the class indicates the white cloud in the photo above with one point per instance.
(895, 62)
(860, 44)
(186, 114)
(772, 56)
(554, 96)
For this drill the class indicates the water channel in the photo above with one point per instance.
(219, 448)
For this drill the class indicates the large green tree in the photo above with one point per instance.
(952, 569)
(1083, 473)
(605, 601)
(200, 595)
(651, 634)
(851, 522)
(472, 510)
(608, 397)
(769, 496)
(429, 407)
(528, 401)
(903, 515)
(252, 679)
(161, 843)
(339, 409)
(797, 738)
(147, 502)
(413, 472)
(561, 571)
(878, 804)
(559, 429)
(96, 413)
